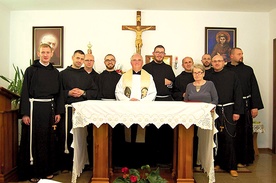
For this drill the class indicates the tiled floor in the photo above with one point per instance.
(262, 171)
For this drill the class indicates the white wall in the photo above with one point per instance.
(272, 35)
(5, 43)
(181, 32)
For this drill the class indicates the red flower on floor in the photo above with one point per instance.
(133, 178)
(125, 170)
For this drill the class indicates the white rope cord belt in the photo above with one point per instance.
(32, 100)
(66, 127)
(216, 135)
(162, 96)
(246, 97)
(227, 104)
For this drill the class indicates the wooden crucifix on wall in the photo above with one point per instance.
(138, 28)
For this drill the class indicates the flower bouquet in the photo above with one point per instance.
(133, 176)
(119, 69)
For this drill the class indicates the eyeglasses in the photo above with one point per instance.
(216, 61)
(197, 73)
(158, 52)
(136, 60)
(111, 60)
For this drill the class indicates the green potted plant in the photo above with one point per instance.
(15, 84)
(146, 176)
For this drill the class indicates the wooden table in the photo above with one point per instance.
(104, 114)
(8, 137)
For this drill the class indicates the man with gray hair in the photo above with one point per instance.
(136, 85)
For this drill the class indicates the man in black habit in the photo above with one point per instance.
(229, 108)
(183, 79)
(206, 61)
(77, 86)
(107, 82)
(252, 103)
(89, 61)
(108, 79)
(41, 105)
(163, 77)
(179, 89)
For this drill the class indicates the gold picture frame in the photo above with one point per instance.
(52, 35)
(167, 59)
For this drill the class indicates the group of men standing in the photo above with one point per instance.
(239, 102)
(46, 139)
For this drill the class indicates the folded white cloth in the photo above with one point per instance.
(48, 181)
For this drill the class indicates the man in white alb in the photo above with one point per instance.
(136, 85)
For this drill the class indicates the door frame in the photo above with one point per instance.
(274, 98)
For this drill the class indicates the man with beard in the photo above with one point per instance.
(206, 61)
(252, 103)
(183, 79)
(229, 108)
(41, 105)
(108, 80)
(163, 77)
(77, 86)
(88, 67)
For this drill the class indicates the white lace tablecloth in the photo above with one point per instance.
(258, 127)
(142, 113)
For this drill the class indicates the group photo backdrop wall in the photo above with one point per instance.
(181, 32)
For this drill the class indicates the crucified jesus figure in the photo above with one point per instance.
(138, 28)
(138, 40)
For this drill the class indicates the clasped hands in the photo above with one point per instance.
(76, 92)
(168, 82)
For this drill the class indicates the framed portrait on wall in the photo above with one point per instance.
(220, 40)
(54, 37)
(167, 59)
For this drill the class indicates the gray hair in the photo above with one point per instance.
(198, 66)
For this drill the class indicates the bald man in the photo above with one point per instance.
(229, 108)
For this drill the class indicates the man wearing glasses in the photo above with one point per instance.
(162, 73)
(88, 67)
(108, 79)
(88, 63)
(229, 108)
(163, 77)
